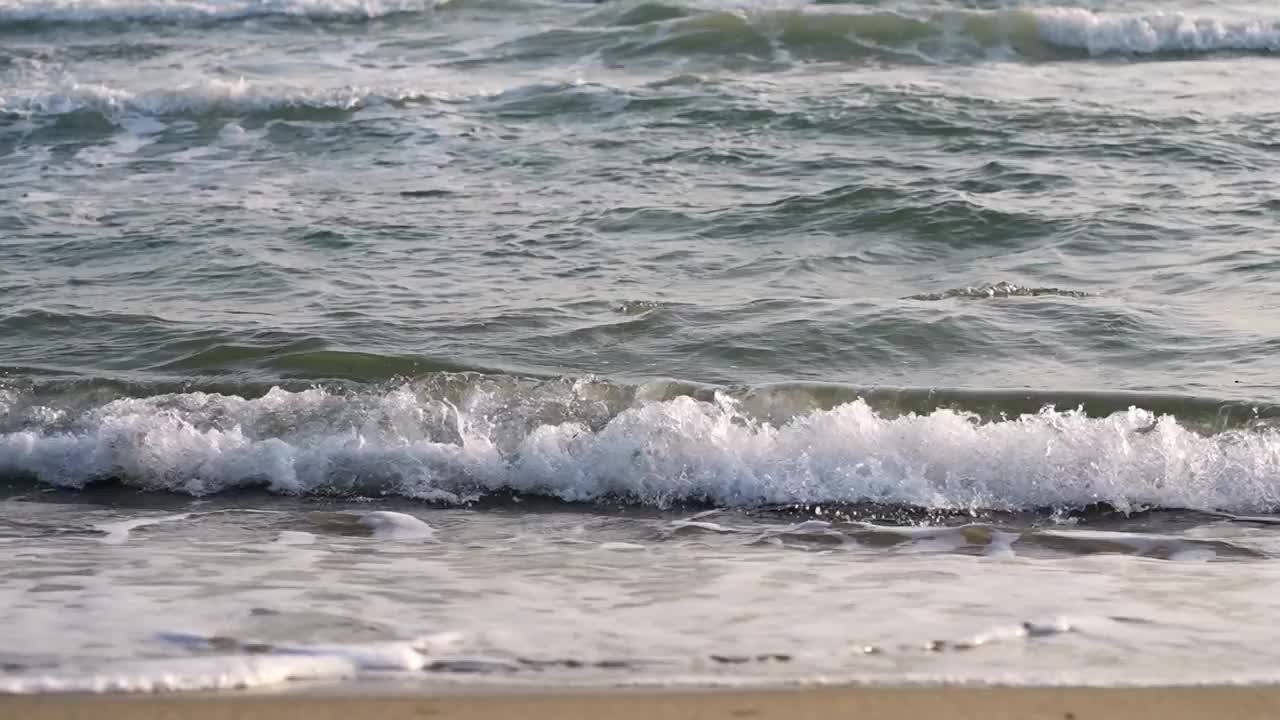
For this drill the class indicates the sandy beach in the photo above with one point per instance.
(884, 703)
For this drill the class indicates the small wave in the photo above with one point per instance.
(999, 290)
(396, 526)
(659, 452)
(208, 98)
(1038, 34)
(934, 217)
(90, 12)
(117, 533)
(642, 13)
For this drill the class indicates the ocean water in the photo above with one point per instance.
(542, 342)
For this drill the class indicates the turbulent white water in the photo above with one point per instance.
(655, 452)
(1163, 32)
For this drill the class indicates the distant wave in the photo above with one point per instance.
(679, 28)
(584, 441)
(999, 290)
(660, 30)
(674, 28)
(1038, 34)
(194, 11)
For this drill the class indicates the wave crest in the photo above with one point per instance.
(660, 452)
(1155, 33)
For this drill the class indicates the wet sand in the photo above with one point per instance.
(1239, 703)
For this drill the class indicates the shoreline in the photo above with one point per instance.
(886, 703)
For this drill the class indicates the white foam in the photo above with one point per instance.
(437, 642)
(1193, 554)
(657, 452)
(118, 532)
(622, 547)
(391, 655)
(1102, 33)
(1055, 626)
(396, 526)
(394, 655)
(174, 11)
(295, 537)
(704, 525)
(179, 674)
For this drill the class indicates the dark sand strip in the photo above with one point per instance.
(883, 703)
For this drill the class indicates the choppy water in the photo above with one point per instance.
(561, 342)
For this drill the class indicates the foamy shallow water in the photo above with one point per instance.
(222, 596)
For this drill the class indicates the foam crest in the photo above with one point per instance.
(1102, 33)
(658, 452)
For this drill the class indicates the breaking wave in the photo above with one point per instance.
(583, 441)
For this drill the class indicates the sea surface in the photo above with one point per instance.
(398, 343)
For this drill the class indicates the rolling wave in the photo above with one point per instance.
(627, 29)
(1035, 34)
(625, 32)
(591, 441)
(1152, 34)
